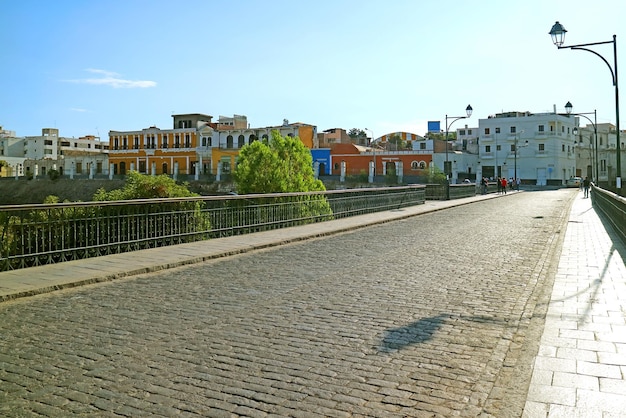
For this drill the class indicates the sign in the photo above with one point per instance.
(434, 126)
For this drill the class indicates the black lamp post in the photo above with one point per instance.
(447, 168)
(568, 109)
(558, 36)
(515, 157)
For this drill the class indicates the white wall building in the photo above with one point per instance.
(545, 145)
(35, 155)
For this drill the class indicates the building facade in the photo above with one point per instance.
(195, 145)
(35, 155)
(539, 149)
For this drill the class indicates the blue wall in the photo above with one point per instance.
(322, 156)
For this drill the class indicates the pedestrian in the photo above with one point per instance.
(499, 184)
(483, 185)
(586, 184)
(504, 185)
(517, 181)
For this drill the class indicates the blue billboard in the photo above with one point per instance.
(434, 126)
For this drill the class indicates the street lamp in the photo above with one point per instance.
(447, 168)
(558, 37)
(568, 109)
(374, 150)
(515, 157)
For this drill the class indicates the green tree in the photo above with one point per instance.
(277, 165)
(357, 133)
(141, 186)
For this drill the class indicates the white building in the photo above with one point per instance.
(537, 148)
(35, 155)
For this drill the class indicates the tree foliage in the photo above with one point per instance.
(141, 186)
(357, 133)
(276, 165)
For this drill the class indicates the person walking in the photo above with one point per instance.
(586, 184)
(504, 185)
(499, 184)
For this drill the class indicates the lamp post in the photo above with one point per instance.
(558, 36)
(568, 109)
(446, 166)
(374, 150)
(515, 157)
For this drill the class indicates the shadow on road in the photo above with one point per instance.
(396, 339)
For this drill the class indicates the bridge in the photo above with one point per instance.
(491, 305)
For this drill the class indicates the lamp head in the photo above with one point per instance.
(469, 110)
(575, 131)
(568, 107)
(558, 34)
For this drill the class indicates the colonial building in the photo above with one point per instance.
(195, 144)
(156, 151)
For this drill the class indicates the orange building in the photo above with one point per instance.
(156, 151)
(357, 159)
(195, 143)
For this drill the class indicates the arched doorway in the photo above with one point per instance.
(164, 168)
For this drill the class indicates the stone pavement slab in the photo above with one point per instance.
(580, 370)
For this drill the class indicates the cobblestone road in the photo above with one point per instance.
(437, 315)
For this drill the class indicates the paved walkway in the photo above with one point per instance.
(580, 370)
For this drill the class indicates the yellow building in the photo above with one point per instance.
(156, 151)
(196, 143)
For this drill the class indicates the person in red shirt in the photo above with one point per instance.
(503, 183)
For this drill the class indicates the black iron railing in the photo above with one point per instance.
(32, 235)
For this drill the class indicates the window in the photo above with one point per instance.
(164, 141)
(187, 141)
(563, 147)
(47, 142)
(512, 147)
(469, 131)
(497, 130)
(487, 148)
(136, 142)
(414, 165)
(177, 141)
(461, 132)
(542, 147)
(541, 128)
(486, 131)
(422, 145)
(513, 130)
(498, 147)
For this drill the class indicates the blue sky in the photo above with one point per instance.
(88, 67)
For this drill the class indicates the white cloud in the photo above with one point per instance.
(77, 109)
(112, 79)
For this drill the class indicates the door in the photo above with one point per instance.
(541, 177)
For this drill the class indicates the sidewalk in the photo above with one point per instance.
(43, 279)
(580, 370)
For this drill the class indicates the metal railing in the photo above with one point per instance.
(32, 235)
(612, 206)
